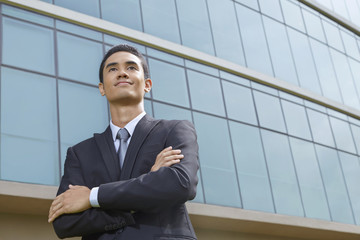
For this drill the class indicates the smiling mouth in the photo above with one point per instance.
(122, 83)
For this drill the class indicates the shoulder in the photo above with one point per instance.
(90, 142)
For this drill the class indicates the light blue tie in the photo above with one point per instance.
(123, 135)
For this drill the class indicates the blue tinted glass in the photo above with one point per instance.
(37, 46)
(296, 120)
(271, 8)
(334, 185)
(264, 88)
(28, 16)
(351, 47)
(199, 191)
(165, 76)
(148, 107)
(340, 8)
(216, 160)
(223, 24)
(355, 69)
(291, 97)
(76, 125)
(115, 41)
(320, 128)
(304, 61)
(77, 30)
(89, 7)
(205, 92)
(194, 25)
(342, 135)
(354, 10)
(130, 13)
(160, 19)
(239, 103)
(249, 3)
(165, 56)
(313, 25)
(234, 78)
(356, 133)
(253, 37)
(28, 120)
(351, 167)
(79, 59)
(333, 35)
(164, 111)
(281, 57)
(269, 111)
(325, 70)
(201, 68)
(310, 182)
(315, 106)
(344, 76)
(251, 168)
(292, 15)
(282, 174)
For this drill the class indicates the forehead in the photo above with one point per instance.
(123, 57)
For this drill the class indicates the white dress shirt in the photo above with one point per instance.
(130, 127)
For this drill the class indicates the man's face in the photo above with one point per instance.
(124, 82)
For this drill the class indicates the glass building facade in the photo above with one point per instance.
(262, 147)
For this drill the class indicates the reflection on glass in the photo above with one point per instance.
(281, 57)
(310, 182)
(253, 37)
(333, 35)
(313, 25)
(199, 190)
(165, 77)
(223, 23)
(28, 121)
(205, 92)
(269, 111)
(33, 52)
(194, 25)
(355, 69)
(164, 111)
(217, 163)
(334, 185)
(89, 7)
(342, 134)
(251, 168)
(201, 68)
(320, 128)
(130, 13)
(234, 78)
(282, 174)
(165, 56)
(272, 9)
(148, 107)
(351, 167)
(79, 59)
(239, 103)
(350, 45)
(77, 30)
(160, 19)
(292, 15)
(356, 133)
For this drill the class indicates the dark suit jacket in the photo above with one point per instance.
(135, 203)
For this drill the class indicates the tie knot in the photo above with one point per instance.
(123, 134)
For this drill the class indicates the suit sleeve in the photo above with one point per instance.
(92, 220)
(164, 188)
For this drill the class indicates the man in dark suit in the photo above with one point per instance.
(105, 194)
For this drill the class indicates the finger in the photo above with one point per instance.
(173, 157)
(172, 152)
(170, 163)
(55, 215)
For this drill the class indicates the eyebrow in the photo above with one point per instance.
(111, 64)
(127, 63)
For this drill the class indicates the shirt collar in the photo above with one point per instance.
(130, 127)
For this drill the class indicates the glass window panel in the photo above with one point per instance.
(164, 111)
(89, 7)
(37, 46)
(355, 69)
(351, 168)
(222, 14)
(269, 111)
(27, 16)
(351, 47)
(165, 76)
(326, 3)
(29, 120)
(340, 8)
(199, 191)
(239, 103)
(251, 168)
(148, 107)
(272, 9)
(354, 10)
(333, 35)
(201, 68)
(75, 125)
(194, 25)
(292, 15)
(337, 114)
(343, 73)
(315, 106)
(310, 181)
(264, 88)
(79, 59)
(234, 78)
(342, 134)
(304, 61)
(320, 128)
(165, 56)
(281, 57)
(253, 37)
(334, 185)
(291, 97)
(356, 134)
(282, 174)
(130, 13)
(325, 70)
(216, 160)
(250, 3)
(160, 19)
(296, 120)
(115, 41)
(77, 30)
(313, 25)
(205, 92)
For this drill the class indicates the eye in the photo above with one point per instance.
(132, 68)
(112, 69)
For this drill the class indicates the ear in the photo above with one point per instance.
(148, 85)
(101, 89)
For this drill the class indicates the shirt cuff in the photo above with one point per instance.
(94, 197)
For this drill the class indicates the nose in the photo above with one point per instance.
(123, 74)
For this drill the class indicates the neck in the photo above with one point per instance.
(122, 115)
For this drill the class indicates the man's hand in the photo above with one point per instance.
(166, 158)
(74, 200)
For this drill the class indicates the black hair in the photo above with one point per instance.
(124, 48)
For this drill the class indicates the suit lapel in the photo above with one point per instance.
(141, 131)
(106, 145)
